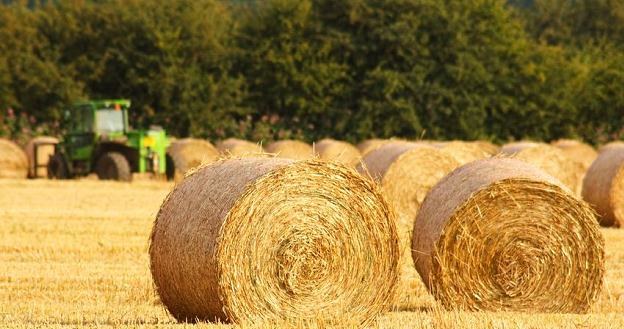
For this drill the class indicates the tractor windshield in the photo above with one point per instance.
(109, 120)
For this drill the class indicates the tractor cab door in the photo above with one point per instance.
(80, 137)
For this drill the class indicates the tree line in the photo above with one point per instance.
(309, 69)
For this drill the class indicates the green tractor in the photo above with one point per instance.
(98, 139)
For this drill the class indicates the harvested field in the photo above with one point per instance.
(73, 254)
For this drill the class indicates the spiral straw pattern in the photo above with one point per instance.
(499, 234)
(256, 240)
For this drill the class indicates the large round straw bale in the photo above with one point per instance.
(604, 187)
(406, 172)
(464, 152)
(188, 153)
(291, 149)
(264, 239)
(501, 235)
(238, 148)
(577, 151)
(13, 160)
(338, 151)
(45, 146)
(551, 160)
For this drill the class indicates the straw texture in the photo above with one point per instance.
(338, 151)
(604, 187)
(577, 151)
(406, 173)
(551, 160)
(13, 160)
(239, 148)
(464, 152)
(291, 149)
(188, 153)
(489, 147)
(44, 152)
(263, 239)
(500, 234)
(581, 154)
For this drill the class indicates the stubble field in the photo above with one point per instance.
(74, 255)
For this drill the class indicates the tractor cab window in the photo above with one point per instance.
(80, 119)
(109, 120)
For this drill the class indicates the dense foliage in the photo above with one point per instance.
(310, 69)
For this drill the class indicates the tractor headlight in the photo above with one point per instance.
(149, 141)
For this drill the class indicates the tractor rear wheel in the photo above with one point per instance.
(113, 166)
(57, 168)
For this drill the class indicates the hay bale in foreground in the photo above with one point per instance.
(45, 149)
(502, 235)
(604, 187)
(338, 151)
(551, 160)
(291, 149)
(239, 148)
(463, 152)
(262, 239)
(188, 153)
(13, 160)
(406, 173)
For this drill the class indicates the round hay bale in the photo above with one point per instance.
(291, 149)
(501, 235)
(188, 153)
(238, 148)
(577, 151)
(406, 173)
(13, 160)
(45, 149)
(264, 239)
(551, 160)
(464, 152)
(610, 145)
(604, 187)
(338, 151)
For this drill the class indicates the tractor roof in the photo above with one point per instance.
(104, 103)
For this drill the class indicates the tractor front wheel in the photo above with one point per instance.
(113, 166)
(57, 168)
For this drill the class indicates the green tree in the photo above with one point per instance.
(286, 58)
(171, 58)
(33, 82)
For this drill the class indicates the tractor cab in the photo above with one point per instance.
(103, 118)
(99, 139)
